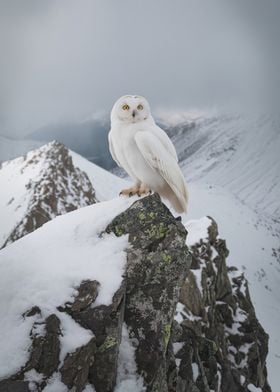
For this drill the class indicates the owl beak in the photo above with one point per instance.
(134, 113)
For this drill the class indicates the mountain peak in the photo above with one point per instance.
(39, 186)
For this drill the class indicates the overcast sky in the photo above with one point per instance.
(65, 59)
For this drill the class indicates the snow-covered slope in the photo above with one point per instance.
(237, 152)
(37, 187)
(11, 148)
(106, 185)
(43, 269)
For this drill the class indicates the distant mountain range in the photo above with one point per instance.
(236, 151)
(87, 137)
(13, 148)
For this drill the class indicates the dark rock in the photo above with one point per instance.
(220, 324)
(32, 312)
(14, 386)
(157, 264)
(106, 324)
(191, 296)
(87, 294)
(44, 355)
(75, 369)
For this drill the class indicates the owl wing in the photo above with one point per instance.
(163, 137)
(161, 160)
(112, 151)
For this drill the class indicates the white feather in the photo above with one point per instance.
(165, 164)
(112, 152)
(160, 134)
(145, 151)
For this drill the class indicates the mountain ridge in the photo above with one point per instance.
(38, 187)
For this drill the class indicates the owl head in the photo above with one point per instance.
(131, 109)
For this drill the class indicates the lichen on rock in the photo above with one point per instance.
(157, 264)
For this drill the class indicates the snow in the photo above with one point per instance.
(55, 384)
(33, 377)
(89, 388)
(127, 379)
(197, 230)
(106, 185)
(252, 388)
(177, 347)
(195, 371)
(14, 198)
(237, 151)
(197, 273)
(219, 372)
(45, 267)
(245, 348)
(239, 316)
(73, 335)
(181, 314)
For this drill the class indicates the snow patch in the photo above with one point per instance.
(197, 230)
(252, 388)
(127, 379)
(195, 370)
(44, 269)
(73, 335)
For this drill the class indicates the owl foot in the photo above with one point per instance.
(144, 190)
(130, 191)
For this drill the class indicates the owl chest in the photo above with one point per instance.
(128, 151)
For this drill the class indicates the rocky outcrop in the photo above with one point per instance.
(157, 265)
(57, 187)
(186, 317)
(220, 344)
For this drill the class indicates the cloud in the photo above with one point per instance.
(67, 58)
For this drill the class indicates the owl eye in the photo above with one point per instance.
(125, 107)
(140, 107)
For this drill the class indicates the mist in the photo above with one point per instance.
(62, 60)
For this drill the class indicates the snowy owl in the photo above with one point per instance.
(145, 152)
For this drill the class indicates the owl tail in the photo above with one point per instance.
(177, 204)
(177, 197)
